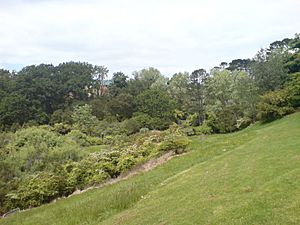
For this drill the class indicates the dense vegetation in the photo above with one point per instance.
(67, 127)
(246, 177)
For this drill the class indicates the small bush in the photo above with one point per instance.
(126, 161)
(144, 130)
(203, 129)
(175, 143)
(274, 105)
(5, 139)
(83, 139)
(34, 136)
(189, 131)
(61, 128)
(131, 126)
(243, 123)
(35, 190)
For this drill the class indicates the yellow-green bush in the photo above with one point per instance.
(274, 105)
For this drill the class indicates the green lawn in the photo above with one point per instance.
(248, 177)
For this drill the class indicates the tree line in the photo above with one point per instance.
(229, 96)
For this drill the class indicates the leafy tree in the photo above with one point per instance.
(83, 119)
(155, 103)
(179, 90)
(240, 64)
(15, 108)
(99, 107)
(6, 83)
(71, 80)
(121, 106)
(293, 88)
(245, 95)
(143, 80)
(36, 84)
(282, 45)
(99, 73)
(61, 116)
(196, 90)
(119, 83)
(269, 71)
(42, 89)
(231, 96)
(293, 62)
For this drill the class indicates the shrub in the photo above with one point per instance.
(85, 173)
(37, 149)
(175, 143)
(274, 105)
(193, 119)
(131, 126)
(149, 122)
(221, 120)
(61, 128)
(126, 161)
(189, 131)
(5, 139)
(83, 139)
(144, 130)
(243, 122)
(144, 120)
(293, 87)
(34, 136)
(35, 190)
(84, 120)
(61, 116)
(203, 129)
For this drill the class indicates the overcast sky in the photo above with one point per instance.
(128, 35)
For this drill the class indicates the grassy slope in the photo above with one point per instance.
(249, 177)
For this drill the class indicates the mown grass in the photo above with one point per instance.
(248, 177)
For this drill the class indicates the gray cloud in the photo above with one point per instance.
(129, 35)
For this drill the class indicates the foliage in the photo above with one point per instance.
(134, 118)
(240, 65)
(178, 90)
(231, 96)
(121, 106)
(126, 161)
(274, 105)
(38, 164)
(35, 190)
(83, 119)
(61, 116)
(155, 103)
(269, 70)
(36, 149)
(203, 129)
(35, 136)
(62, 128)
(176, 143)
(16, 108)
(82, 139)
(197, 82)
(216, 163)
(293, 63)
(144, 80)
(119, 83)
(293, 89)
(131, 126)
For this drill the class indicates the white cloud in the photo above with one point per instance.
(129, 35)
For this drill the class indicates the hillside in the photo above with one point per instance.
(247, 177)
